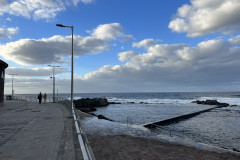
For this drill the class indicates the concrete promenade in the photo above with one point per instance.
(32, 131)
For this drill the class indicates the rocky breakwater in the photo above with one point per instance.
(211, 102)
(89, 105)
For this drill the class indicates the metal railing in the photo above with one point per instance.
(21, 98)
(32, 98)
(84, 144)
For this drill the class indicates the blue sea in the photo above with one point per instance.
(218, 127)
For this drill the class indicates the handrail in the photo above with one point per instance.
(22, 98)
(84, 144)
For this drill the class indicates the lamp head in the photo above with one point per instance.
(60, 25)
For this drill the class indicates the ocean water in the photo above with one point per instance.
(218, 127)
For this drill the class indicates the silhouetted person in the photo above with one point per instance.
(45, 97)
(40, 98)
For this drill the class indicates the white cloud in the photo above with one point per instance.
(53, 50)
(156, 52)
(7, 33)
(144, 43)
(33, 8)
(108, 31)
(8, 19)
(211, 63)
(184, 11)
(36, 9)
(34, 80)
(124, 56)
(46, 13)
(235, 40)
(205, 50)
(35, 72)
(205, 17)
(76, 2)
(34, 85)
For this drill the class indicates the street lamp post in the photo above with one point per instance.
(53, 77)
(12, 83)
(60, 25)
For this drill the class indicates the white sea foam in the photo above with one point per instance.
(229, 100)
(151, 101)
(77, 98)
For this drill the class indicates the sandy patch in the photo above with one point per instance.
(123, 147)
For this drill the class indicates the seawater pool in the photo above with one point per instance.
(218, 127)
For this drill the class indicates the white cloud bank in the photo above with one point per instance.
(203, 17)
(8, 33)
(212, 65)
(37, 9)
(166, 66)
(53, 50)
(35, 72)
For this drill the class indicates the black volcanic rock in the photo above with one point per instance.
(236, 150)
(90, 102)
(103, 117)
(211, 102)
(114, 103)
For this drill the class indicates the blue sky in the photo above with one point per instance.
(121, 46)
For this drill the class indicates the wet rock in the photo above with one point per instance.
(145, 103)
(211, 102)
(103, 117)
(114, 103)
(236, 150)
(90, 102)
(237, 95)
(100, 116)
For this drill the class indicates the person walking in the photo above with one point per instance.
(40, 98)
(45, 97)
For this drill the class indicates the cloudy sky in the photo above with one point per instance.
(121, 46)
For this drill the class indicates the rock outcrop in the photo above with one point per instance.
(114, 103)
(100, 116)
(103, 117)
(90, 102)
(211, 102)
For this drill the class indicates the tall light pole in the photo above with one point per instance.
(12, 83)
(60, 25)
(53, 77)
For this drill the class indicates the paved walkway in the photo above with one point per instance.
(32, 131)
